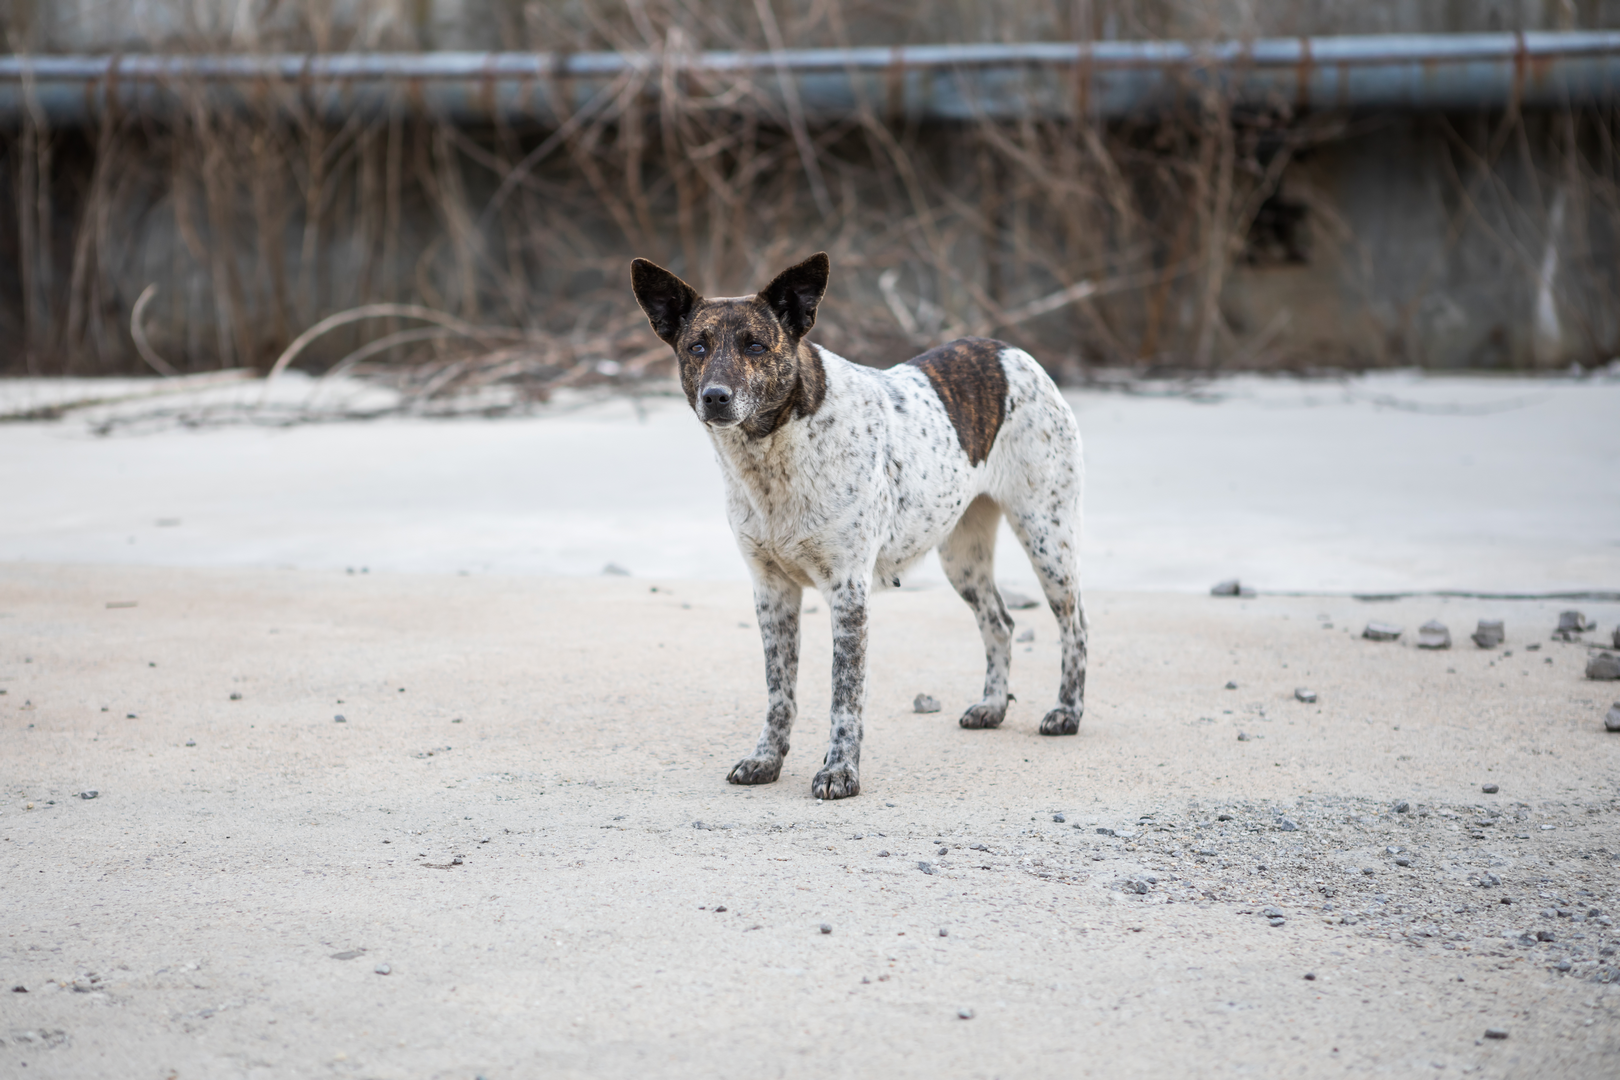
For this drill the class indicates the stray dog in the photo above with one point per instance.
(840, 476)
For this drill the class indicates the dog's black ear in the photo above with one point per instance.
(796, 293)
(665, 298)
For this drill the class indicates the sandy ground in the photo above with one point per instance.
(1385, 482)
(523, 821)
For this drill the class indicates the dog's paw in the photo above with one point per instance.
(1061, 721)
(755, 770)
(838, 781)
(984, 715)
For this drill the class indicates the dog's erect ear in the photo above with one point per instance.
(796, 293)
(665, 298)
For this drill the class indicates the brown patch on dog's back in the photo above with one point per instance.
(968, 377)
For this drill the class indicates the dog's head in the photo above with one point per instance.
(740, 358)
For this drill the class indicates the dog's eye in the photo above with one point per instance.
(697, 348)
(756, 347)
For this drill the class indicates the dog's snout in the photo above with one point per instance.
(717, 397)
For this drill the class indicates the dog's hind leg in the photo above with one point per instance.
(968, 556)
(776, 602)
(1049, 529)
(840, 773)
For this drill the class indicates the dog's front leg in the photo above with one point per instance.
(840, 776)
(776, 602)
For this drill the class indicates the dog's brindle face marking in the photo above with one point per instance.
(968, 377)
(742, 360)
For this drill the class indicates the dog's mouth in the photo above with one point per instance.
(722, 421)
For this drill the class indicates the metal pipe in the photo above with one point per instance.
(921, 82)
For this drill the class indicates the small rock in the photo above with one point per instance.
(1489, 634)
(613, 569)
(236, 695)
(1136, 885)
(1287, 825)
(1545, 935)
(340, 719)
(1105, 832)
(924, 703)
(1433, 635)
(1603, 666)
(1378, 631)
(719, 908)
(1562, 965)
(1402, 860)
(1310, 976)
(964, 1014)
(191, 742)
(1496, 1033)
(1231, 587)
(883, 854)
(1403, 807)
(1279, 921)
(943, 851)
(1612, 719)
(1017, 601)
(1244, 736)
(1208, 853)
(1231, 685)
(91, 794)
(926, 867)
(826, 928)
(1025, 636)
(1574, 621)
(1369, 871)
(979, 847)
(1059, 818)
(944, 932)
(1307, 696)
(1489, 789)
(382, 969)
(1271, 912)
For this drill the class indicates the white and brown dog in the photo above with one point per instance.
(840, 477)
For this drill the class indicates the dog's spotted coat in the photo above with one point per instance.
(840, 477)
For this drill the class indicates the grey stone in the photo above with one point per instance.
(1574, 621)
(943, 851)
(883, 854)
(1310, 976)
(1369, 871)
(1059, 818)
(382, 969)
(1402, 860)
(1433, 635)
(338, 719)
(1562, 965)
(979, 847)
(236, 696)
(613, 569)
(1244, 736)
(1279, 921)
(1025, 636)
(90, 794)
(1271, 912)
(347, 954)
(1288, 825)
(1105, 832)
(1545, 935)
(1208, 853)
(1403, 807)
(944, 932)
(1017, 601)
(926, 867)
(1489, 634)
(1307, 696)
(1489, 789)
(1231, 684)
(964, 1014)
(1612, 719)
(1379, 631)
(191, 742)
(924, 703)
(1496, 1033)
(826, 928)
(1603, 666)
(1135, 885)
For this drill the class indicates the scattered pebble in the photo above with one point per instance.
(1378, 631)
(191, 742)
(1231, 685)
(1307, 696)
(1059, 818)
(1575, 621)
(1433, 635)
(1017, 600)
(883, 854)
(1135, 885)
(236, 695)
(924, 703)
(1612, 720)
(1403, 861)
(90, 794)
(1403, 807)
(943, 851)
(721, 907)
(1231, 587)
(382, 969)
(1369, 871)
(826, 927)
(944, 932)
(964, 1014)
(1287, 825)
(1025, 636)
(926, 867)
(1489, 789)
(1489, 634)
(1310, 976)
(1244, 736)
(613, 569)
(339, 719)
(1496, 1033)
(1603, 666)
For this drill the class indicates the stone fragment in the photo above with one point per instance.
(1603, 666)
(1489, 789)
(1496, 1033)
(1231, 684)
(926, 867)
(1059, 818)
(826, 928)
(1403, 807)
(1612, 720)
(924, 703)
(1231, 587)
(615, 570)
(964, 1014)
(1025, 636)
(1307, 696)
(89, 794)
(1017, 601)
(1574, 621)
(1433, 635)
(1379, 631)
(1489, 634)
(382, 969)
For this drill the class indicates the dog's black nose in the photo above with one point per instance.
(716, 396)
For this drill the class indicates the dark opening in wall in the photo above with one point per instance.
(1279, 235)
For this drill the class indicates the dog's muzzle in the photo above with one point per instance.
(718, 405)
